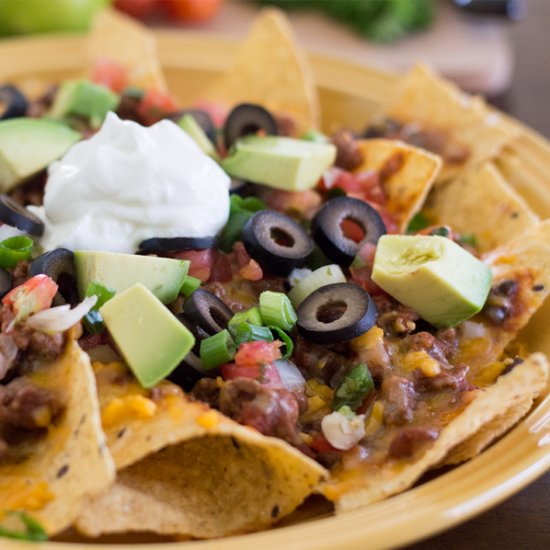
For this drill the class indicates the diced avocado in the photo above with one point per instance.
(280, 162)
(28, 145)
(149, 337)
(444, 283)
(162, 276)
(86, 99)
(189, 125)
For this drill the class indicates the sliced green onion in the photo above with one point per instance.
(217, 350)
(285, 339)
(93, 322)
(240, 210)
(103, 293)
(315, 136)
(33, 531)
(420, 221)
(15, 249)
(190, 284)
(251, 316)
(252, 333)
(276, 309)
(353, 389)
(326, 275)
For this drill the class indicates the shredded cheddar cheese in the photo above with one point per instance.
(423, 361)
(127, 408)
(208, 419)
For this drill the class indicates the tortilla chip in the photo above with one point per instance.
(525, 260)
(435, 104)
(411, 173)
(173, 459)
(514, 391)
(271, 70)
(482, 203)
(71, 463)
(120, 38)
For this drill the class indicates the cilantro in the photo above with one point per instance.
(357, 384)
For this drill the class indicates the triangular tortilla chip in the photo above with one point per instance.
(469, 126)
(71, 463)
(271, 70)
(186, 469)
(407, 174)
(483, 204)
(514, 391)
(120, 38)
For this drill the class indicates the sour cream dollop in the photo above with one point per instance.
(129, 183)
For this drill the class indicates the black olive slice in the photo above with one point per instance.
(6, 282)
(164, 244)
(12, 213)
(329, 234)
(12, 102)
(197, 332)
(276, 242)
(335, 313)
(207, 311)
(248, 118)
(59, 265)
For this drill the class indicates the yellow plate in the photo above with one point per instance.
(349, 94)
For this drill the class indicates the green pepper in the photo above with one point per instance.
(357, 384)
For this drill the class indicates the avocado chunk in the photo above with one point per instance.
(149, 337)
(280, 162)
(189, 125)
(162, 276)
(436, 277)
(84, 99)
(28, 145)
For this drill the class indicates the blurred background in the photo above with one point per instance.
(494, 47)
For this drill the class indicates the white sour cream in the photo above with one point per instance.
(128, 183)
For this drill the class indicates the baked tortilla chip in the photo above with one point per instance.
(468, 131)
(525, 262)
(514, 391)
(185, 469)
(120, 38)
(71, 463)
(482, 203)
(271, 70)
(407, 174)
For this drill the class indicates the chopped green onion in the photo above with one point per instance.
(15, 249)
(217, 350)
(315, 136)
(468, 239)
(190, 284)
(252, 333)
(251, 316)
(93, 322)
(325, 275)
(285, 339)
(33, 531)
(276, 309)
(440, 232)
(420, 221)
(354, 388)
(103, 293)
(240, 210)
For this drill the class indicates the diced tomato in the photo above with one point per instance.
(268, 375)
(32, 296)
(320, 444)
(258, 353)
(352, 230)
(361, 269)
(217, 111)
(192, 11)
(155, 105)
(202, 262)
(221, 268)
(251, 271)
(110, 74)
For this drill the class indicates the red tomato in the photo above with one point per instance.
(320, 444)
(155, 105)
(202, 262)
(268, 375)
(217, 111)
(258, 353)
(192, 11)
(32, 296)
(136, 8)
(110, 74)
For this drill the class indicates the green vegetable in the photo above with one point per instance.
(15, 249)
(32, 530)
(217, 350)
(240, 210)
(378, 20)
(354, 388)
(440, 232)
(93, 322)
(285, 339)
(190, 284)
(419, 222)
(251, 316)
(315, 136)
(468, 239)
(103, 293)
(252, 333)
(276, 309)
